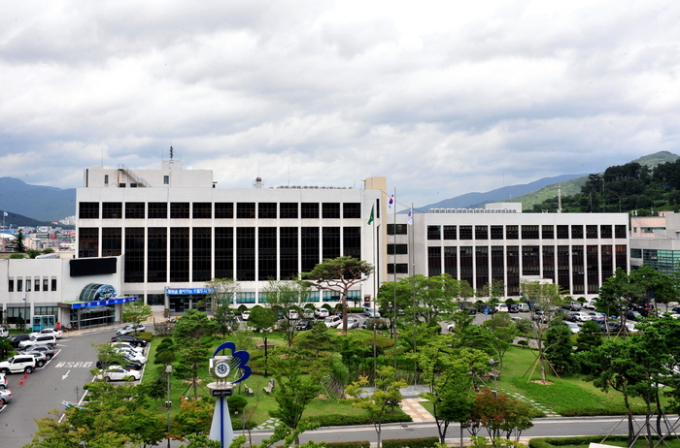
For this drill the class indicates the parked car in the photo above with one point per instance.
(574, 327)
(5, 396)
(633, 315)
(130, 365)
(523, 307)
(304, 324)
(131, 329)
(128, 346)
(137, 342)
(49, 331)
(501, 307)
(34, 341)
(308, 313)
(3, 381)
(580, 316)
(17, 338)
(572, 306)
(118, 373)
(371, 313)
(132, 355)
(353, 323)
(18, 364)
(40, 357)
(514, 308)
(47, 350)
(469, 307)
(293, 314)
(4, 332)
(333, 321)
(589, 305)
(321, 313)
(245, 314)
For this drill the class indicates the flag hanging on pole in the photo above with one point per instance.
(390, 203)
(6, 214)
(409, 217)
(370, 218)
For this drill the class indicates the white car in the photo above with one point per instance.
(126, 346)
(333, 321)
(321, 313)
(3, 381)
(48, 331)
(589, 305)
(580, 316)
(133, 355)
(131, 329)
(117, 373)
(245, 314)
(34, 341)
(4, 332)
(293, 315)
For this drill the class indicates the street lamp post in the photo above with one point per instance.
(168, 403)
(265, 331)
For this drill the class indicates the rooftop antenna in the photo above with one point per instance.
(171, 152)
(102, 156)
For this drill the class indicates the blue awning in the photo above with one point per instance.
(77, 305)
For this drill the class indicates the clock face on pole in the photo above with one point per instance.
(222, 369)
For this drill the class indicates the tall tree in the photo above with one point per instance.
(503, 332)
(293, 390)
(339, 275)
(136, 312)
(192, 333)
(282, 297)
(222, 291)
(19, 246)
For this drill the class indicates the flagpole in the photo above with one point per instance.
(412, 269)
(394, 272)
(376, 248)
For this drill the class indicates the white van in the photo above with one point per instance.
(501, 307)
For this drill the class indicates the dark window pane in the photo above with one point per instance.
(450, 232)
(497, 232)
(158, 210)
(351, 241)
(465, 233)
(89, 210)
(331, 242)
(88, 242)
(179, 254)
(158, 254)
(266, 253)
(351, 210)
(289, 210)
(179, 210)
(202, 210)
(134, 255)
(111, 241)
(309, 248)
(481, 232)
(310, 210)
(245, 252)
(266, 210)
(434, 232)
(112, 210)
(547, 232)
(288, 251)
(330, 210)
(576, 231)
(245, 210)
(434, 261)
(397, 249)
(134, 210)
(401, 229)
(224, 252)
(202, 254)
(224, 210)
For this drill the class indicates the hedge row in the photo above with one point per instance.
(550, 442)
(361, 444)
(346, 420)
(594, 412)
(423, 442)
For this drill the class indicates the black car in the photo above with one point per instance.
(304, 324)
(514, 308)
(18, 338)
(132, 340)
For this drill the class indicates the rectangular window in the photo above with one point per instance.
(451, 261)
(511, 232)
(29, 283)
(398, 268)
(549, 262)
(466, 254)
(36, 284)
(134, 210)
(288, 252)
(529, 232)
(331, 242)
(245, 253)
(465, 232)
(179, 254)
(397, 249)
(54, 284)
(112, 210)
(497, 232)
(401, 229)
(46, 282)
(224, 252)
(20, 285)
(245, 297)
(288, 210)
(591, 231)
(481, 232)
(10, 284)
(497, 263)
(530, 260)
(158, 210)
(548, 232)
(434, 233)
(310, 210)
(563, 232)
(157, 242)
(605, 231)
(309, 243)
(224, 210)
(153, 299)
(331, 296)
(330, 210)
(512, 269)
(351, 242)
(434, 261)
(450, 232)
(106, 179)
(245, 210)
(111, 241)
(202, 255)
(634, 253)
(266, 210)
(166, 180)
(481, 266)
(179, 210)
(620, 231)
(202, 210)
(88, 242)
(351, 210)
(134, 255)
(576, 232)
(89, 210)
(266, 253)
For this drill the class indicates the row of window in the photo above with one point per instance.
(198, 254)
(13, 313)
(21, 284)
(526, 232)
(219, 210)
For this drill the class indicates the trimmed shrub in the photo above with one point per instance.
(361, 444)
(594, 412)
(236, 403)
(347, 420)
(146, 335)
(423, 442)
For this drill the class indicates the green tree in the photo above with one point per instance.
(339, 275)
(589, 337)
(293, 390)
(283, 296)
(136, 312)
(385, 398)
(108, 356)
(318, 340)
(32, 253)
(558, 345)
(19, 246)
(222, 291)
(193, 333)
(503, 331)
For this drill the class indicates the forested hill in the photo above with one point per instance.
(625, 188)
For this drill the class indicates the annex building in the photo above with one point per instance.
(160, 235)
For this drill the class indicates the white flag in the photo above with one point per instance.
(6, 214)
(409, 218)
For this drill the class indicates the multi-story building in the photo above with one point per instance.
(655, 241)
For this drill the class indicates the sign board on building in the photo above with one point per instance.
(188, 291)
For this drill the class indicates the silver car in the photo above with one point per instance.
(5, 396)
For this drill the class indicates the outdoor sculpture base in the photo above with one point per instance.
(221, 429)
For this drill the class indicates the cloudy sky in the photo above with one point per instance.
(442, 97)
